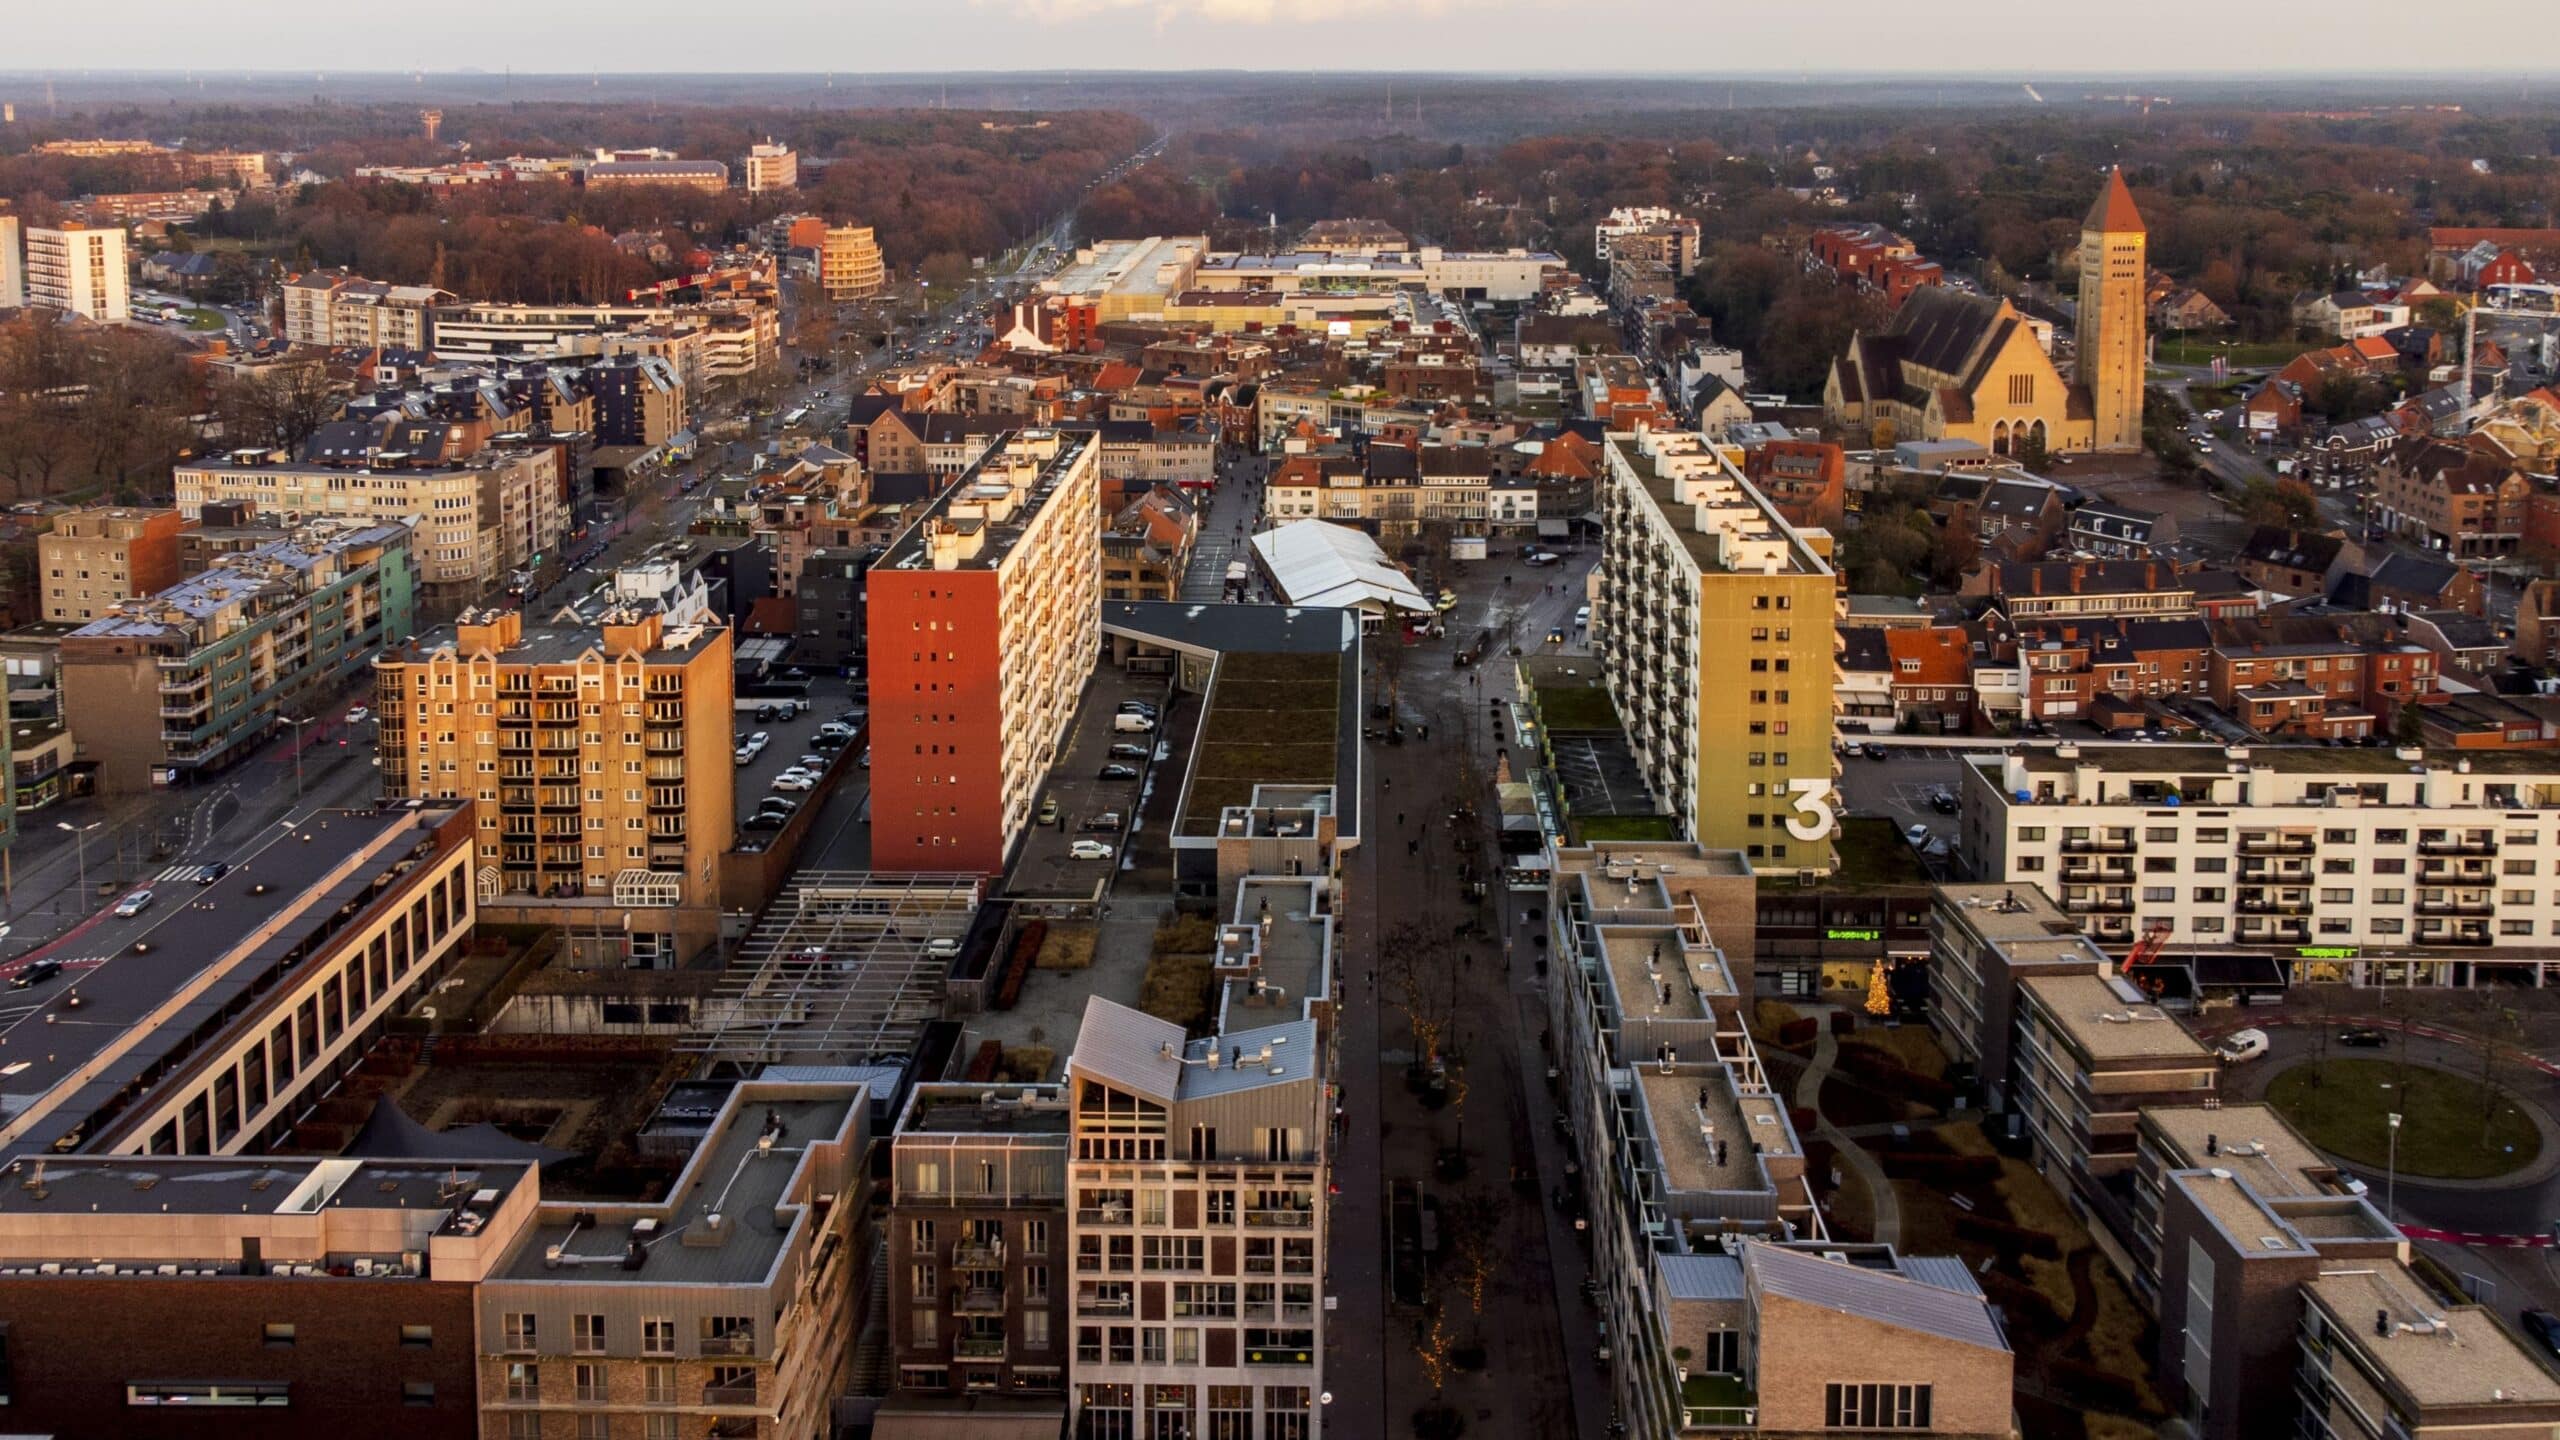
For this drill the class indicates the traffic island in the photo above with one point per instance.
(2453, 1127)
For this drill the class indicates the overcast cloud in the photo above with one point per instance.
(1768, 37)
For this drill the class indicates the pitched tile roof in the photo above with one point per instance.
(2114, 213)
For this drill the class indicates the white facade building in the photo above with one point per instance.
(2367, 865)
(79, 270)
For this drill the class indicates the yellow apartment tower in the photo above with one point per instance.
(2113, 253)
(1714, 631)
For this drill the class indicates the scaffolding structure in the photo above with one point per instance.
(844, 968)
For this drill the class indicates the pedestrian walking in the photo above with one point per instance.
(1399, 819)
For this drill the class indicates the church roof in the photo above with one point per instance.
(2114, 212)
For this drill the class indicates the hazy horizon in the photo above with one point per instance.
(1957, 40)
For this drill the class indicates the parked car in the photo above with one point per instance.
(1582, 617)
(765, 820)
(135, 903)
(1119, 772)
(1049, 811)
(766, 713)
(2363, 1037)
(1089, 850)
(2242, 1045)
(1943, 801)
(746, 754)
(778, 805)
(942, 947)
(1872, 752)
(1543, 557)
(1106, 820)
(1138, 707)
(1133, 724)
(1447, 601)
(2544, 1327)
(35, 972)
(1917, 834)
(794, 780)
(1128, 750)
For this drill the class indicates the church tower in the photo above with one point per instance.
(2114, 251)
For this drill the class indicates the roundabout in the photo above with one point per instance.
(2452, 1128)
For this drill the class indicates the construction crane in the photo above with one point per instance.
(2155, 938)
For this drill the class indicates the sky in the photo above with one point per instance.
(1985, 38)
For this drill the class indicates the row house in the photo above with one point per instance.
(2105, 530)
(2028, 591)
(1805, 479)
(2318, 677)
(2069, 667)
(1932, 677)
(1875, 260)
(2452, 498)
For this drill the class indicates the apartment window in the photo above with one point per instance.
(657, 1335)
(2160, 832)
(658, 1427)
(1875, 1407)
(1035, 1284)
(524, 1427)
(516, 1332)
(2336, 925)
(2386, 926)
(417, 1337)
(2159, 894)
(2335, 866)
(595, 1427)
(2392, 866)
(2159, 864)
(2390, 897)
(657, 1384)
(2515, 927)
(279, 1337)
(1186, 1346)
(920, 1232)
(418, 1393)
(1035, 1237)
(524, 1381)
(2338, 837)
(1151, 1345)
(587, 1383)
(2208, 924)
(2516, 866)
(2030, 862)
(2212, 864)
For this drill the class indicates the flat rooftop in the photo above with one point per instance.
(2206, 759)
(1691, 1101)
(1294, 949)
(729, 1177)
(2251, 1141)
(128, 1024)
(2105, 1025)
(2241, 1213)
(224, 1185)
(1658, 977)
(1013, 479)
(566, 644)
(2020, 921)
(985, 1110)
(2452, 1354)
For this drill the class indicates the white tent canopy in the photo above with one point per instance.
(1315, 563)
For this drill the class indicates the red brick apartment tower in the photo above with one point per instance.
(985, 620)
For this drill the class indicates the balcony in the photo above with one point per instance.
(2457, 937)
(1107, 1215)
(978, 1347)
(2275, 905)
(1287, 1219)
(2480, 908)
(2448, 872)
(729, 1344)
(2475, 845)
(2086, 904)
(729, 1394)
(978, 1254)
(2085, 872)
(1718, 1402)
(2275, 845)
(1093, 1303)
(981, 1300)
(2098, 845)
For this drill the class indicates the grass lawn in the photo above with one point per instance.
(2198, 350)
(2342, 1106)
(1585, 707)
(1911, 1046)
(1627, 827)
(203, 319)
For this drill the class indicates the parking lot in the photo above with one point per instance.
(1898, 788)
(1044, 865)
(787, 741)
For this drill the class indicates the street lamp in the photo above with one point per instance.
(80, 846)
(2391, 1176)
(297, 751)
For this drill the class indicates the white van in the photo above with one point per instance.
(2242, 1045)
(1127, 723)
